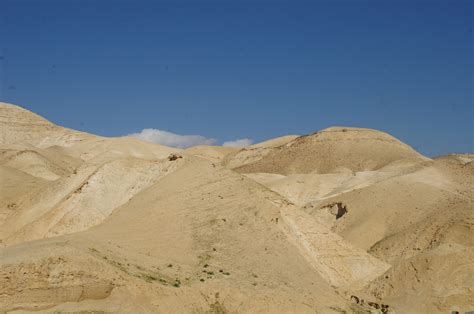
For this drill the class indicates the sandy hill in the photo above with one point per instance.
(79, 183)
(292, 225)
(21, 125)
(274, 142)
(255, 152)
(213, 153)
(415, 216)
(233, 157)
(335, 149)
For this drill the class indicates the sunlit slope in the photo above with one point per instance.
(209, 229)
(295, 224)
(415, 217)
(255, 152)
(334, 149)
(82, 200)
(71, 185)
(21, 125)
(213, 153)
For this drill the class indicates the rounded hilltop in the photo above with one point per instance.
(18, 124)
(334, 149)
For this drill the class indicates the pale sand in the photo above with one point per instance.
(89, 223)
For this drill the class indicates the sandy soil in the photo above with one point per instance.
(344, 220)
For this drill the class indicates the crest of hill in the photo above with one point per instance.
(463, 159)
(237, 155)
(18, 124)
(334, 149)
(22, 127)
(212, 153)
(274, 142)
(253, 153)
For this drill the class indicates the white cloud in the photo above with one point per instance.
(239, 143)
(173, 140)
(183, 141)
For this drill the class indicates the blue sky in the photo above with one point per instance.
(228, 70)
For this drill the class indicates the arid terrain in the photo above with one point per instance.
(344, 220)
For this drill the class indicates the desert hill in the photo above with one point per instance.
(415, 214)
(274, 142)
(335, 149)
(293, 225)
(255, 152)
(23, 127)
(213, 153)
(20, 125)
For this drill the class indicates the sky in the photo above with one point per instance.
(238, 72)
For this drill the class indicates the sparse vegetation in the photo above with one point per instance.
(177, 283)
(11, 206)
(173, 157)
(149, 278)
(337, 309)
(217, 308)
